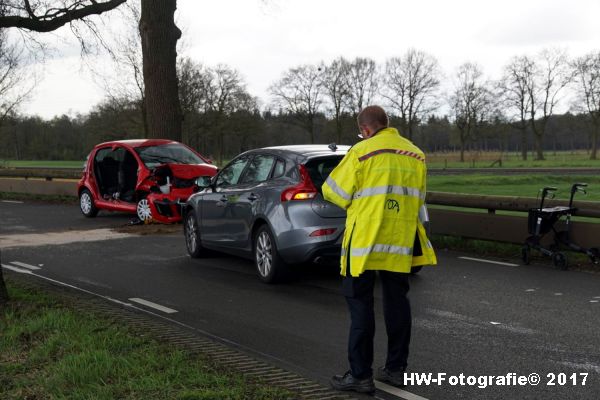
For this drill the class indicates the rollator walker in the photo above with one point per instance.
(541, 221)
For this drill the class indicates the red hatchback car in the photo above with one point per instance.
(148, 177)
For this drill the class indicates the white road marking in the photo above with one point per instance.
(597, 297)
(495, 323)
(594, 301)
(530, 290)
(28, 266)
(397, 392)
(15, 269)
(12, 201)
(490, 261)
(153, 305)
(558, 294)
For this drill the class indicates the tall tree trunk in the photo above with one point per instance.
(523, 141)
(538, 148)
(159, 51)
(338, 127)
(3, 291)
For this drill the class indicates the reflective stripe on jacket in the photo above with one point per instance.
(381, 182)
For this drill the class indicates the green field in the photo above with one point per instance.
(511, 160)
(526, 185)
(40, 164)
(49, 351)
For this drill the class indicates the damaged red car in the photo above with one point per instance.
(151, 178)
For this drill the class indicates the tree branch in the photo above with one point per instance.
(65, 16)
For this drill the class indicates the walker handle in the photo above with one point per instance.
(579, 187)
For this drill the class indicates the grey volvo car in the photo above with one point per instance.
(267, 205)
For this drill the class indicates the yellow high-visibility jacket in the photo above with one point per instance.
(381, 183)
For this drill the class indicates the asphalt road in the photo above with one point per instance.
(470, 317)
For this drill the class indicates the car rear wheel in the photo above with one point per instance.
(86, 204)
(144, 212)
(192, 235)
(269, 265)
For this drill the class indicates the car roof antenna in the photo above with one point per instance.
(332, 146)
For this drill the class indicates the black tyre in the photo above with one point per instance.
(415, 270)
(560, 260)
(526, 254)
(86, 204)
(191, 233)
(269, 265)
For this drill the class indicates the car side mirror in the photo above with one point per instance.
(203, 182)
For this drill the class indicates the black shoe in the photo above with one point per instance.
(395, 378)
(348, 382)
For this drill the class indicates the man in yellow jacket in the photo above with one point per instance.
(381, 183)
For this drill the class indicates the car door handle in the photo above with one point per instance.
(252, 197)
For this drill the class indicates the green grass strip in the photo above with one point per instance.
(50, 351)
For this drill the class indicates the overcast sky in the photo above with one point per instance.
(263, 38)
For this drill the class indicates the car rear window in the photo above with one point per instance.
(320, 168)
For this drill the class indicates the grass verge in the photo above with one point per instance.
(50, 351)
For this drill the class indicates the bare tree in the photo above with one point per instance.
(362, 83)
(334, 79)
(410, 86)
(194, 84)
(16, 84)
(300, 93)
(551, 76)
(515, 83)
(470, 102)
(226, 93)
(587, 74)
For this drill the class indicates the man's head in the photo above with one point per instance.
(372, 119)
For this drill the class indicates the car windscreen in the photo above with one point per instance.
(175, 153)
(320, 168)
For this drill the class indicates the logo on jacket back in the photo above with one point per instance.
(392, 205)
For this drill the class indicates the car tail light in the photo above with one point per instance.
(305, 190)
(323, 232)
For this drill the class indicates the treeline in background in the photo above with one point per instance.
(516, 113)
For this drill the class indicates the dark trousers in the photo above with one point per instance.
(396, 308)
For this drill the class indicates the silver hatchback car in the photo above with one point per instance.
(267, 205)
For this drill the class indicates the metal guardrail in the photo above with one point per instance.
(42, 173)
(504, 228)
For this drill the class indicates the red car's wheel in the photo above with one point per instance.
(86, 204)
(143, 210)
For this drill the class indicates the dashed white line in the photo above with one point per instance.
(24, 265)
(15, 269)
(594, 301)
(12, 201)
(558, 294)
(490, 261)
(397, 392)
(495, 323)
(153, 305)
(530, 290)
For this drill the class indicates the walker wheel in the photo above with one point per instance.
(595, 255)
(526, 254)
(560, 261)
